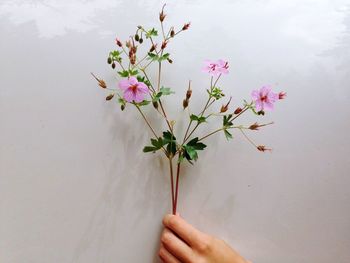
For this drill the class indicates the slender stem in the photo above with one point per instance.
(177, 184)
(249, 140)
(172, 184)
(144, 117)
(204, 137)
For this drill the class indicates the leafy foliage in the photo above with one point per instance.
(115, 55)
(190, 150)
(151, 33)
(227, 123)
(154, 57)
(128, 73)
(167, 140)
(144, 80)
(216, 93)
(199, 119)
(162, 91)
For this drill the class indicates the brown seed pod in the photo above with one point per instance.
(110, 96)
(185, 103)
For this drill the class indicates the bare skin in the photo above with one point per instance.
(182, 243)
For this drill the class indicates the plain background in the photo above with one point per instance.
(74, 183)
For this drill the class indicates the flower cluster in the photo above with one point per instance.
(147, 46)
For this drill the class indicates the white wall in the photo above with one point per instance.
(74, 183)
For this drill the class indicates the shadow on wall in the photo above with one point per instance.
(127, 190)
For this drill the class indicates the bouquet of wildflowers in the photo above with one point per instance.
(136, 89)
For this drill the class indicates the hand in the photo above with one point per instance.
(182, 243)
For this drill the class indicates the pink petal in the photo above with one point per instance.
(133, 81)
(268, 106)
(142, 87)
(272, 97)
(255, 95)
(124, 84)
(258, 105)
(129, 95)
(139, 96)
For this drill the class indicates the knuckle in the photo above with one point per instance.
(206, 245)
(173, 222)
(161, 253)
(166, 237)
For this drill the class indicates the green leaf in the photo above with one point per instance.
(228, 135)
(226, 121)
(133, 72)
(216, 92)
(156, 145)
(191, 153)
(143, 79)
(147, 149)
(163, 91)
(115, 55)
(153, 56)
(196, 145)
(124, 73)
(200, 119)
(143, 103)
(166, 91)
(191, 148)
(151, 33)
(164, 57)
(169, 140)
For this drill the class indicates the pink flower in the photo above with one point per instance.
(215, 68)
(134, 91)
(264, 98)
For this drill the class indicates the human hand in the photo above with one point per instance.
(182, 243)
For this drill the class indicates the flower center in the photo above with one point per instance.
(213, 67)
(263, 98)
(133, 88)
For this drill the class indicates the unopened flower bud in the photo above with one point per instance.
(110, 96)
(109, 60)
(188, 93)
(119, 43)
(169, 60)
(261, 112)
(122, 107)
(164, 44)
(237, 111)
(137, 38)
(282, 95)
(128, 44)
(139, 27)
(263, 148)
(155, 104)
(186, 26)
(224, 108)
(113, 65)
(141, 40)
(185, 103)
(162, 15)
(172, 33)
(153, 47)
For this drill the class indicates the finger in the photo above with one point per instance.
(166, 257)
(176, 246)
(183, 229)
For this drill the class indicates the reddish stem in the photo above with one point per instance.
(172, 184)
(177, 186)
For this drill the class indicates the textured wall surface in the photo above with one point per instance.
(74, 183)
